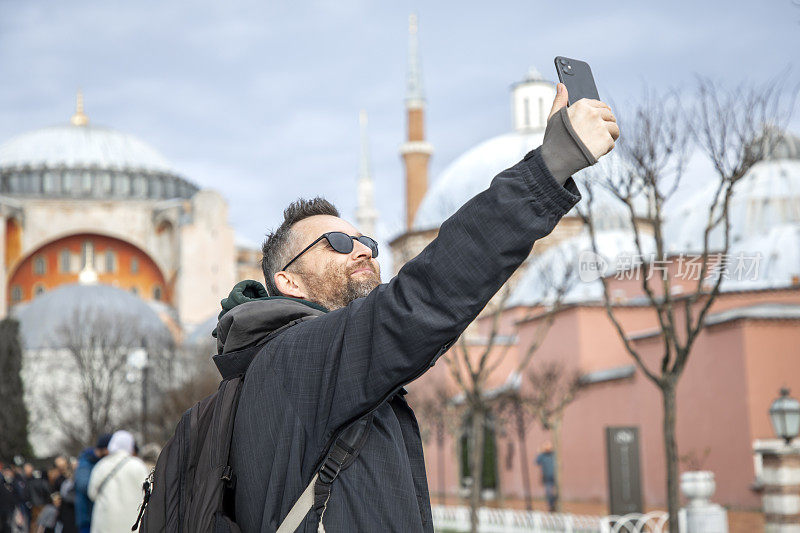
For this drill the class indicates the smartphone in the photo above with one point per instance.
(577, 76)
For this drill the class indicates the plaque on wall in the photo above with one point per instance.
(624, 474)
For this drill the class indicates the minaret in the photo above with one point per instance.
(415, 151)
(366, 214)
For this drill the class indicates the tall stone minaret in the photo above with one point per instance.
(366, 214)
(415, 151)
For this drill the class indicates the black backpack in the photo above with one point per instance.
(192, 487)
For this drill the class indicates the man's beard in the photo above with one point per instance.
(335, 287)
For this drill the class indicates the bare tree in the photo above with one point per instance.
(96, 345)
(513, 409)
(436, 412)
(729, 126)
(553, 388)
(472, 363)
(172, 397)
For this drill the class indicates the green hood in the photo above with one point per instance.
(248, 315)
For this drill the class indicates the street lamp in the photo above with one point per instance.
(785, 416)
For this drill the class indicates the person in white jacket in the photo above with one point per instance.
(115, 486)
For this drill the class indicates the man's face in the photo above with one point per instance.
(322, 274)
(61, 463)
(27, 469)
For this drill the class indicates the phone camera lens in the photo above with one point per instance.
(563, 61)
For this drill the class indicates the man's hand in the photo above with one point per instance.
(577, 136)
(592, 120)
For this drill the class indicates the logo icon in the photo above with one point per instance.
(591, 266)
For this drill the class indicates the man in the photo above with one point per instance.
(340, 345)
(546, 463)
(38, 490)
(86, 462)
(59, 473)
(115, 486)
(12, 518)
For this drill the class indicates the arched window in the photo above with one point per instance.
(111, 261)
(16, 294)
(140, 187)
(156, 187)
(122, 186)
(157, 293)
(49, 183)
(86, 182)
(36, 182)
(87, 257)
(64, 261)
(39, 266)
(134, 265)
(542, 115)
(68, 183)
(527, 120)
(105, 184)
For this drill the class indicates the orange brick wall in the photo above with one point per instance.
(144, 281)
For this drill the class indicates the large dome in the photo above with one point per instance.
(470, 174)
(769, 195)
(78, 160)
(81, 146)
(42, 319)
(559, 267)
(765, 261)
(473, 171)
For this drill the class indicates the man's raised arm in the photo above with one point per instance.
(381, 342)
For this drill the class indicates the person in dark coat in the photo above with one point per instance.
(12, 503)
(340, 345)
(86, 461)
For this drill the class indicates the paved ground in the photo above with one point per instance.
(738, 521)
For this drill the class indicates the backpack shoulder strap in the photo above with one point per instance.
(342, 454)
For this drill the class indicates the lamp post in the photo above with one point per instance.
(781, 468)
(784, 413)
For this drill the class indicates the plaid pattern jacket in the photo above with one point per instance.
(319, 375)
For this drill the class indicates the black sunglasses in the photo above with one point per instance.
(341, 242)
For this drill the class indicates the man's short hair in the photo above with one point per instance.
(277, 247)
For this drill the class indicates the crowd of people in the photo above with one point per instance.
(99, 491)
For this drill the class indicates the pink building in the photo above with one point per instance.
(740, 360)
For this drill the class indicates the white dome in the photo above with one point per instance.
(473, 171)
(42, 318)
(547, 271)
(470, 174)
(81, 147)
(764, 261)
(769, 195)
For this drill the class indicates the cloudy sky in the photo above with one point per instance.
(260, 99)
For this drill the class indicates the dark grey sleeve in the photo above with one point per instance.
(341, 365)
(563, 151)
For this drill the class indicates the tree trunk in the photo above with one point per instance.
(523, 457)
(556, 430)
(476, 466)
(671, 449)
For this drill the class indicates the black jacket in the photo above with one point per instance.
(329, 369)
